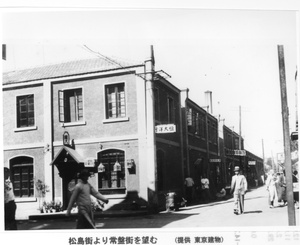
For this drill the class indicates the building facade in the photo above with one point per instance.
(137, 133)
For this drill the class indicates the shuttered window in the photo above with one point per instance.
(115, 101)
(70, 105)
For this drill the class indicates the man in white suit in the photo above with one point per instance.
(238, 189)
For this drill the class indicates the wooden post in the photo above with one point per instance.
(286, 137)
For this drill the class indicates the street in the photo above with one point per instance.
(215, 214)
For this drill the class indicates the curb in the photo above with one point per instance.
(103, 214)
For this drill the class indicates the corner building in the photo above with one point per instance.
(97, 115)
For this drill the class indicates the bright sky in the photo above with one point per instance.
(231, 53)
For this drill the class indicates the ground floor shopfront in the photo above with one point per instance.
(119, 170)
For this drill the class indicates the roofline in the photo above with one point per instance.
(166, 82)
(68, 77)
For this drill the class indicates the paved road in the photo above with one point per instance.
(216, 214)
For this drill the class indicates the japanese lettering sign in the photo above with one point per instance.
(165, 128)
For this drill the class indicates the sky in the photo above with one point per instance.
(232, 53)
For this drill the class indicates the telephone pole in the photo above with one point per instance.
(286, 137)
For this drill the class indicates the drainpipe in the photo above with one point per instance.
(184, 94)
(151, 141)
(48, 142)
(207, 144)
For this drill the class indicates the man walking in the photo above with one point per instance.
(81, 195)
(238, 189)
(189, 185)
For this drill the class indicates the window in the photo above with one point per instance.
(171, 110)
(115, 101)
(202, 128)
(25, 111)
(111, 178)
(22, 176)
(70, 105)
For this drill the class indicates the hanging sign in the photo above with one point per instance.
(165, 128)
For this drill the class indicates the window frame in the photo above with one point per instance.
(28, 163)
(105, 102)
(62, 107)
(171, 109)
(110, 173)
(28, 127)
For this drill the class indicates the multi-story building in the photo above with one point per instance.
(234, 154)
(95, 114)
(200, 142)
(137, 133)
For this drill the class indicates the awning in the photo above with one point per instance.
(68, 162)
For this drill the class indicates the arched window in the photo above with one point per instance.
(111, 172)
(22, 176)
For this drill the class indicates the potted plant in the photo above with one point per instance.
(42, 189)
(57, 206)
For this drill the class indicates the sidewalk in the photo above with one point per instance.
(103, 214)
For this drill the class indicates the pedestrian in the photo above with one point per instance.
(205, 188)
(81, 195)
(271, 187)
(238, 188)
(189, 186)
(10, 206)
(281, 188)
(296, 188)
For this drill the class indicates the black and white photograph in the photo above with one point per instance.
(150, 125)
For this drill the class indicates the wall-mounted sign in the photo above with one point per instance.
(251, 162)
(89, 162)
(66, 138)
(239, 152)
(165, 128)
(215, 160)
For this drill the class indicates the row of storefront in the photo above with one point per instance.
(137, 133)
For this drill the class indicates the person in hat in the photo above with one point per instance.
(9, 202)
(82, 196)
(271, 187)
(238, 189)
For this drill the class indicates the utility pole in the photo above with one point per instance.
(151, 142)
(286, 137)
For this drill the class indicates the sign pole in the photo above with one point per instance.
(286, 136)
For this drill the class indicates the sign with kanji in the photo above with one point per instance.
(251, 162)
(239, 152)
(165, 128)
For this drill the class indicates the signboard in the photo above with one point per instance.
(239, 152)
(165, 128)
(89, 162)
(214, 160)
(251, 162)
(280, 157)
